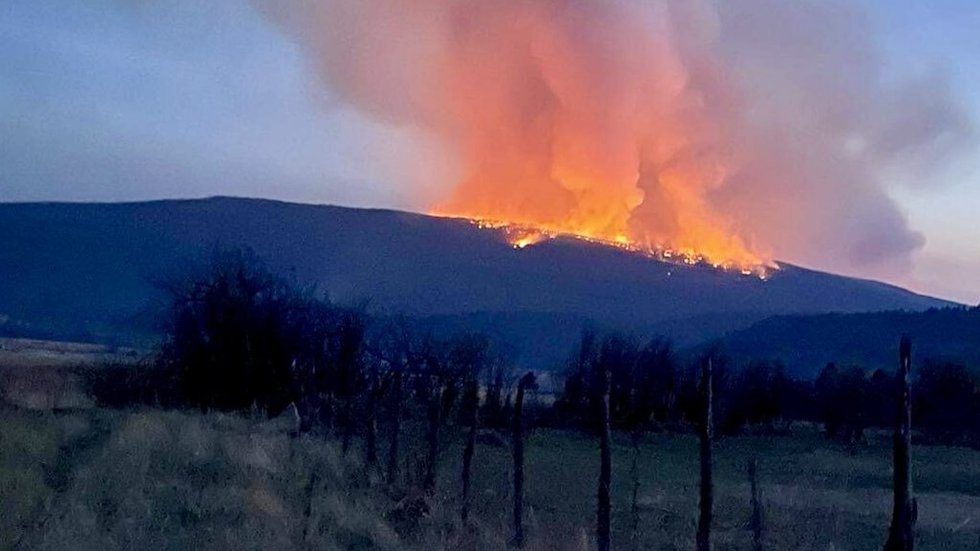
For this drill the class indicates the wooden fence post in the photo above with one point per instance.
(605, 468)
(901, 534)
(526, 382)
(706, 437)
(471, 400)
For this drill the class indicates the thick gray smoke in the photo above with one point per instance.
(738, 128)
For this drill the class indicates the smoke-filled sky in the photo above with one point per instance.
(837, 134)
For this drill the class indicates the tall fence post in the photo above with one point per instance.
(526, 382)
(706, 436)
(605, 468)
(901, 534)
(471, 399)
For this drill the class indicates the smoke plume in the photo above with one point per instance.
(737, 129)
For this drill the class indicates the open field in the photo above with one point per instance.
(25, 353)
(39, 374)
(102, 479)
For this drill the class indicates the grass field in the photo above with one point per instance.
(101, 479)
(32, 353)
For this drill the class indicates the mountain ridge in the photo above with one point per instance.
(89, 268)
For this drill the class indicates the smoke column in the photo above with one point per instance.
(734, 129)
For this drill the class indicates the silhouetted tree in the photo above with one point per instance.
(842, 398)
(346, 346)
(655, 385)
(493, 406)
(235, 333)
(946, 403)
(574, 404)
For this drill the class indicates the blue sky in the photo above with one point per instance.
(108, 100)
(921, 35)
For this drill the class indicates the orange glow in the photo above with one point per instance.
(699, 240)
(523, 236)
(600, 133)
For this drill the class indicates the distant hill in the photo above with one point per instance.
(807, 343)
(87, 271)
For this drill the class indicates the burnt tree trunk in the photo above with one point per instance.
(432, 437)
(605, 469)
(471, 399)
(526, 381)
(396, 422)
(706, 434)
(756, 524)
(901, 534)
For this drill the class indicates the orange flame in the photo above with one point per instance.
(698, 238)
(521, 236)
(605, 133)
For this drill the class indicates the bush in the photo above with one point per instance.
(236, 332)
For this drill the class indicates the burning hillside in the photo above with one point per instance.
(720, 132)
(522, 236)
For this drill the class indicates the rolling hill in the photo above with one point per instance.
(89, 271)
(870, 340)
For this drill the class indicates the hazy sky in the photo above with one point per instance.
(108, 100)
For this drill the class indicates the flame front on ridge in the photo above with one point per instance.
(522, 236)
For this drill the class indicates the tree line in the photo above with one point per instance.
(652, 387)
(242, 339)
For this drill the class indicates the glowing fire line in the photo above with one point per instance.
(521, 237)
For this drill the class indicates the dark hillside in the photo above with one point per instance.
(807, 343)
(87, 271)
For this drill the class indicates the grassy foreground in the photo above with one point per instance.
(100, 479)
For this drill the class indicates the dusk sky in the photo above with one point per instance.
(115, 100)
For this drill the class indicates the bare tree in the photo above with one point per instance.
(348, 347)
(901, 534)
(605, 467)
(393, 345)
(526, 382)
(706, 437)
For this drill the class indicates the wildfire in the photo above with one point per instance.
(522, 236)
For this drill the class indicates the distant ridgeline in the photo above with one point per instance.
(92, 272)
(806, 343)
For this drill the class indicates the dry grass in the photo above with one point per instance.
(24, 353)
(42, 375)
(100, 479)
